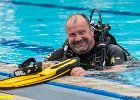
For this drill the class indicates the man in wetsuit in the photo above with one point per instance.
(81, 43)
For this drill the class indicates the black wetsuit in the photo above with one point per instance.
(114, 56)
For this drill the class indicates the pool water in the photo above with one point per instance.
(34, 28)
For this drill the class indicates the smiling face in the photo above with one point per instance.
(80, 34)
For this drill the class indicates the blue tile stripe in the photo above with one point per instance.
(91, 90)
(6, 74)
(73, 8)
(18, 44)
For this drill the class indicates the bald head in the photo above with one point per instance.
(77, 18)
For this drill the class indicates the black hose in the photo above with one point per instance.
(100, 22)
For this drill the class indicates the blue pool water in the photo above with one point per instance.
(34, 28)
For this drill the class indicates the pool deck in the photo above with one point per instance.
(91, 83)
(124, 89)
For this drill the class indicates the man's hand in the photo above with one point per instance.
(78, 71)
(47, 64)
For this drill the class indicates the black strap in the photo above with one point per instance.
(26, 63)
(25, 67)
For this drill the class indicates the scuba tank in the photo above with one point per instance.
(104, 38)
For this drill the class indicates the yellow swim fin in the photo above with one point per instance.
(52, 72)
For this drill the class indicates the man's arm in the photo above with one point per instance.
(56, 55)
(116, 58)
(53, 57)
(116, 55)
